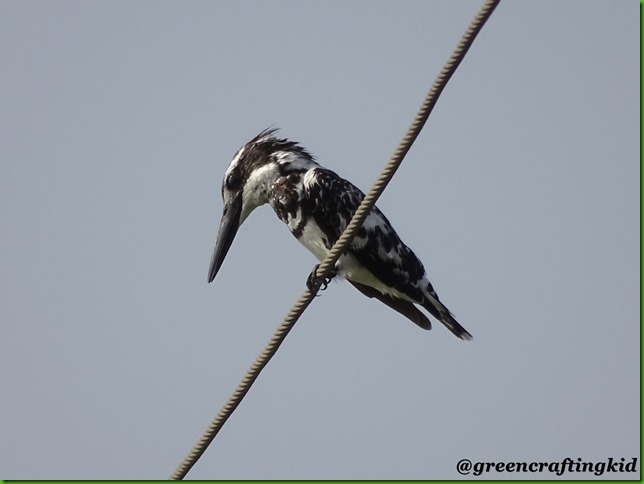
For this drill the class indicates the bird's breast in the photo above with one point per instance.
(311, 236)
(284, 197)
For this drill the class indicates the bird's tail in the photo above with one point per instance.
(440, 312)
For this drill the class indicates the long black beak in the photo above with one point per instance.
(227, 230)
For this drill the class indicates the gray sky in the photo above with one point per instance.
(521, 196)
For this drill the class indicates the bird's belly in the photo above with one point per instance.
(314, 240)
(351, 269)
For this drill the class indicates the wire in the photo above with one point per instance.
(341, 244)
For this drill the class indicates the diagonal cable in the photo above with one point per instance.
(342, 243)
(408, 139)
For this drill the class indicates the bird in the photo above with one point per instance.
(316, 204)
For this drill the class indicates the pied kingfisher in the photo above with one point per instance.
(317, 205)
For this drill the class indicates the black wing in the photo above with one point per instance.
(332, 202)
(405, 308)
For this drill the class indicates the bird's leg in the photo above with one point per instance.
(313, 281)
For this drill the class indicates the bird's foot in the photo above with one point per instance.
(313, 281)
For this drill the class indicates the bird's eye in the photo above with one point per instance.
(233, 181)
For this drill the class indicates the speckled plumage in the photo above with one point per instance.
(316, 204)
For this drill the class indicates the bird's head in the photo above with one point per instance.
(248, 181)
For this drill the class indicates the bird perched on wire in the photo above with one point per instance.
(317, 205)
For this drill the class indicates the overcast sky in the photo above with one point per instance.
(521, 196)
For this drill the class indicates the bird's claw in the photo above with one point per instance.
(313, 281)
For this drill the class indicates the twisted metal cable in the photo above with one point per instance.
(341, 244)
(408, 139)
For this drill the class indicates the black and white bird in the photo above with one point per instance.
(316, 204)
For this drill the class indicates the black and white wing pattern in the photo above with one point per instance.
(316, 205)
(378, 263)
(331, 202)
